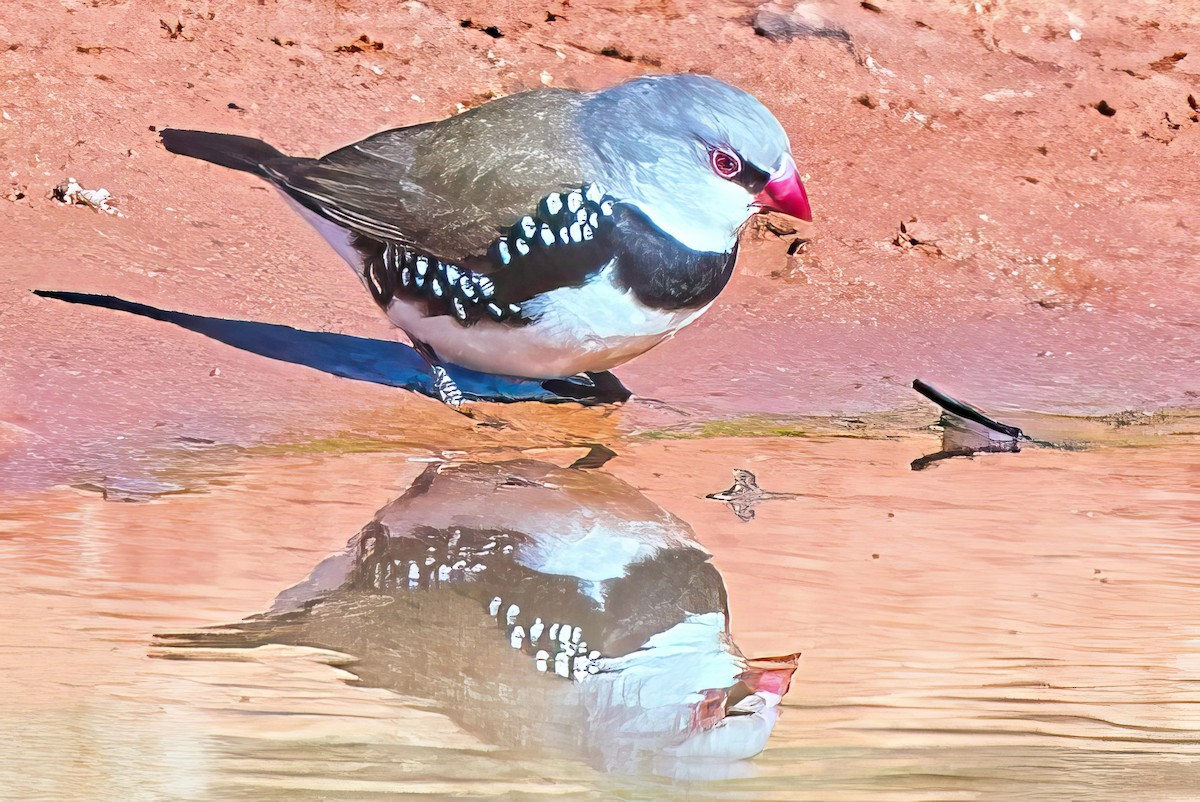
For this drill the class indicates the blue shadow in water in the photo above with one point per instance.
(392, 364)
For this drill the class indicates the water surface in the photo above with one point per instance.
(1016, 626)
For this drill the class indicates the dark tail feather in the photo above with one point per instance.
(227, 150)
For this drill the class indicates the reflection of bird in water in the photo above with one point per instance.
(745, 493)
(545, 609)
(966, 430)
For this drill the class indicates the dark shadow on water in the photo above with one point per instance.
(393, 364)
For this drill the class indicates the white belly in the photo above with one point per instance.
(574, 329)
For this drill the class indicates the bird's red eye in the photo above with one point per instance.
(724, 163)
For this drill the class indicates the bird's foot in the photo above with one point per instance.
(602, 388)
(609, 388)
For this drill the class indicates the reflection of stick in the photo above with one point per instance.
(921, 463)
(966, 411)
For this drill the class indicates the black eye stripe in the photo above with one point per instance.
(752, 178)
(731, 166)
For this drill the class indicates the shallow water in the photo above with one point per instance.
(1016, 626)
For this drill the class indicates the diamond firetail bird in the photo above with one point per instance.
(545, 234)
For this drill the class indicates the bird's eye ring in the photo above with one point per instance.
(724, 163)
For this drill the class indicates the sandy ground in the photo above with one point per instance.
(1051, 266)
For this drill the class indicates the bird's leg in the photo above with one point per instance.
(605, 388)
(447, 391)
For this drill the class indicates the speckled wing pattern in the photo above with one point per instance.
(549, 617)
(566, 240)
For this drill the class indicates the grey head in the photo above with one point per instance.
(693, 153)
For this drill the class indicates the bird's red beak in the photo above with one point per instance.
(785, 193)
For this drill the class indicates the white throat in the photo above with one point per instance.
(707, 221)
